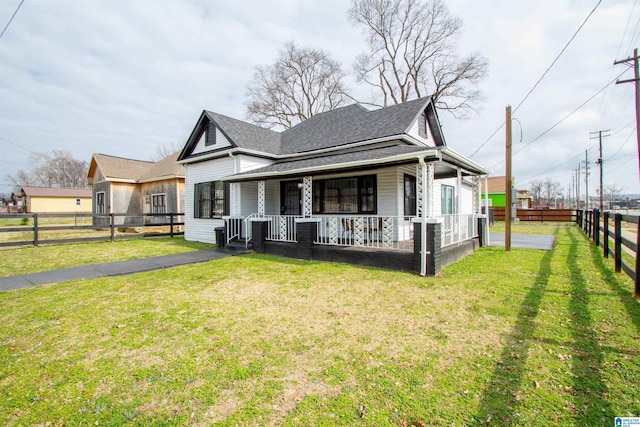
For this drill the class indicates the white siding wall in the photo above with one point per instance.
(387, 182)
(202, 230)
(414, 131)
(247, 163)
(272, 198)
(249, 198)
(467, 198)
(221, 142)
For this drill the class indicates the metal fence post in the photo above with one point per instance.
(596, 227)
(618, 242)
(171, 224)
(637, 284)
(112, 226)
(605, 236)
(35, 229)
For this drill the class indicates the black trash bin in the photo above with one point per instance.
(220, 239)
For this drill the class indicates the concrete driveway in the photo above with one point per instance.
(524, 241)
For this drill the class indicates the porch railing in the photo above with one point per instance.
(366, 231)
(238, 228)
(458, 228)
(384, 232)
(282, 228)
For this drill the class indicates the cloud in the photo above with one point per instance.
(123, 77)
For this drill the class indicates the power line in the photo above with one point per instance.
(623, 144)
(560, 54)
(17, 145)
(562, 119)
(12, 16)
(541, 77)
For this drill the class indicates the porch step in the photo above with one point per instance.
(239, 246)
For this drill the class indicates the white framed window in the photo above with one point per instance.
(101, 207)
(448, 194)
(78, 201)
(159, 203)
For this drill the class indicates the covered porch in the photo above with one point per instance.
(375, 205)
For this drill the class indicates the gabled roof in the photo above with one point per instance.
(332, 129)
(247, 135)
(166, 168)
(31, 191)
(118, 168)
(129, 170)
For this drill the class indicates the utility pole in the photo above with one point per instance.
(598, 135)
(635, 80)
(578, 194)
(507, 183)
(586, 179)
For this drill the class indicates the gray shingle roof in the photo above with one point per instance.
(350, 124)
(334, 128)
(247, 135)
(337, 159)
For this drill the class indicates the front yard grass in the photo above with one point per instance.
(29, 259)
(520, 338)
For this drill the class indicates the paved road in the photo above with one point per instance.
(111, 268)
(524, 241)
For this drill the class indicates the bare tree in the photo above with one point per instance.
(612, 192)
(413, 53)
(535, 190)
(55, 169)
(301, 83)
(551, 190)
(163, 151)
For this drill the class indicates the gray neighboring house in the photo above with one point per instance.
(136, 187)
(363, 179)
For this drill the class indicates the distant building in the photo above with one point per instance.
(498, 196)
(51, 200)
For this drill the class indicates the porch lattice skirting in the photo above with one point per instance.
(305, 247)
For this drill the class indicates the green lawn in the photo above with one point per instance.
(524, 338)
(29, 259)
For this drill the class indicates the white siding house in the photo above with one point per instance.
(365, 176)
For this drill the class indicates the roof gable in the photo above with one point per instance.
(120, 169)
(332, 129)
(117, 168)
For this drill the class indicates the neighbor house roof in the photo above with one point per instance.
(31, 191)
(129, 170)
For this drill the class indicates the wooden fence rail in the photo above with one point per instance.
(152, 225)
(597, 226)
(566, 215)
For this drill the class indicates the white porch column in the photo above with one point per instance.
(421, 172)
(486, 204)
(307, 196)
(234, 199)
(430, 185)
(261, 198)
(476, 195)
(459, 202)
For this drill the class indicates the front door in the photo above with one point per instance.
(290, 198)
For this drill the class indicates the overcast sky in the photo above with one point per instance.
(123, 77)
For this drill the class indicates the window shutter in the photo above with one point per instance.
(422, 122)
(210, 135)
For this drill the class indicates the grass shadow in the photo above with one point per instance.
(626, 295)
(587, 357)
(499, 401)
